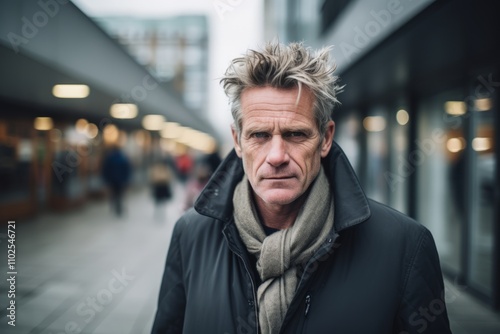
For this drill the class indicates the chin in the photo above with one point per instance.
(279, 197)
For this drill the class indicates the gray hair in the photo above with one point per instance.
(284, 66)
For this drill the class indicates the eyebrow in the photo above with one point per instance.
(286, 129)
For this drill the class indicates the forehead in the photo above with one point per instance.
(270, 101)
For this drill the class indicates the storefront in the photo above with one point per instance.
(51, 163)
(424, 108)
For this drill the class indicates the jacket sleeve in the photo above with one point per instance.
(423, 307)
(172, 300)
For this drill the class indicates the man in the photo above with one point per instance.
(116, 172)
(283, 239)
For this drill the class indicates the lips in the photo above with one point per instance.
(286, 177)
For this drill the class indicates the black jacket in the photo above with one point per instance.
(378, 271)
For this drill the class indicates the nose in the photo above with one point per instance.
(277, 154)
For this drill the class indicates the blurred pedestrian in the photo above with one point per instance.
(184, 165)
(116, 172)
(196, 183)
(283, 239)
(161, 186)
(212, 160)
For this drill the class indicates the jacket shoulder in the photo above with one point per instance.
(384, 214)
(193, 219)
(389, 225)
(192, 226)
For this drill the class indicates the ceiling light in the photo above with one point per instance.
(43, 123)
(455, 145)
(71, 91)
(171, 130)
(153, 122)
(402, 117)
(455, 108)
(374, 123)
(481, 144)
(123, 110)
(483, 104)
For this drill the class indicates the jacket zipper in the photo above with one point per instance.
(302, 282)
(231, 245)
(253, 291)
(308, 305)
(306, 312)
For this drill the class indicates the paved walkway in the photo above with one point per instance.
(87, 271)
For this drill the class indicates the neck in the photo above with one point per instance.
(278, 216)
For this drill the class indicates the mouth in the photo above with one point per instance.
(278, 178)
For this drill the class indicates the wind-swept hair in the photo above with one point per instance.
(284, 66)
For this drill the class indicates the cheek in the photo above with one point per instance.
(312, 163)
(249, 161)
(254, 155)
(307, 156)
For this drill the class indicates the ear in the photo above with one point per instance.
(237, 146)
(327, 141)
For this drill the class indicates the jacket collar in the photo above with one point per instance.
(351, 205)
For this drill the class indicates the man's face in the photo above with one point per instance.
(280, 144)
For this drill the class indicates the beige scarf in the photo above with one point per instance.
(279, 254)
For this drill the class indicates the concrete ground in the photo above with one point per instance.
(87, 271)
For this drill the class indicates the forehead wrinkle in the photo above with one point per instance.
(276, 106)
(271, 106)
(282, 114)
(283, 124)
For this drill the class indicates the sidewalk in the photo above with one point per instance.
(87, 271)
(467, 314)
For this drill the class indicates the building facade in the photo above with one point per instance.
(173, 49)
(63, 76)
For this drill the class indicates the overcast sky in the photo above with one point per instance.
(235, 26)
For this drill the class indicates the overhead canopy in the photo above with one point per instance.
(424, 55)
(48, 42)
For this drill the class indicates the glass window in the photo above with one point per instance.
(375, 126)
(347, 136)
(439, 159)
(397, 177)
(483, 168)
(16, 162)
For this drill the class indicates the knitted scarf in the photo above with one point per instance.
(279, 254)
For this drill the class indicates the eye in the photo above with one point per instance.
(259, 135)
(295, 134)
